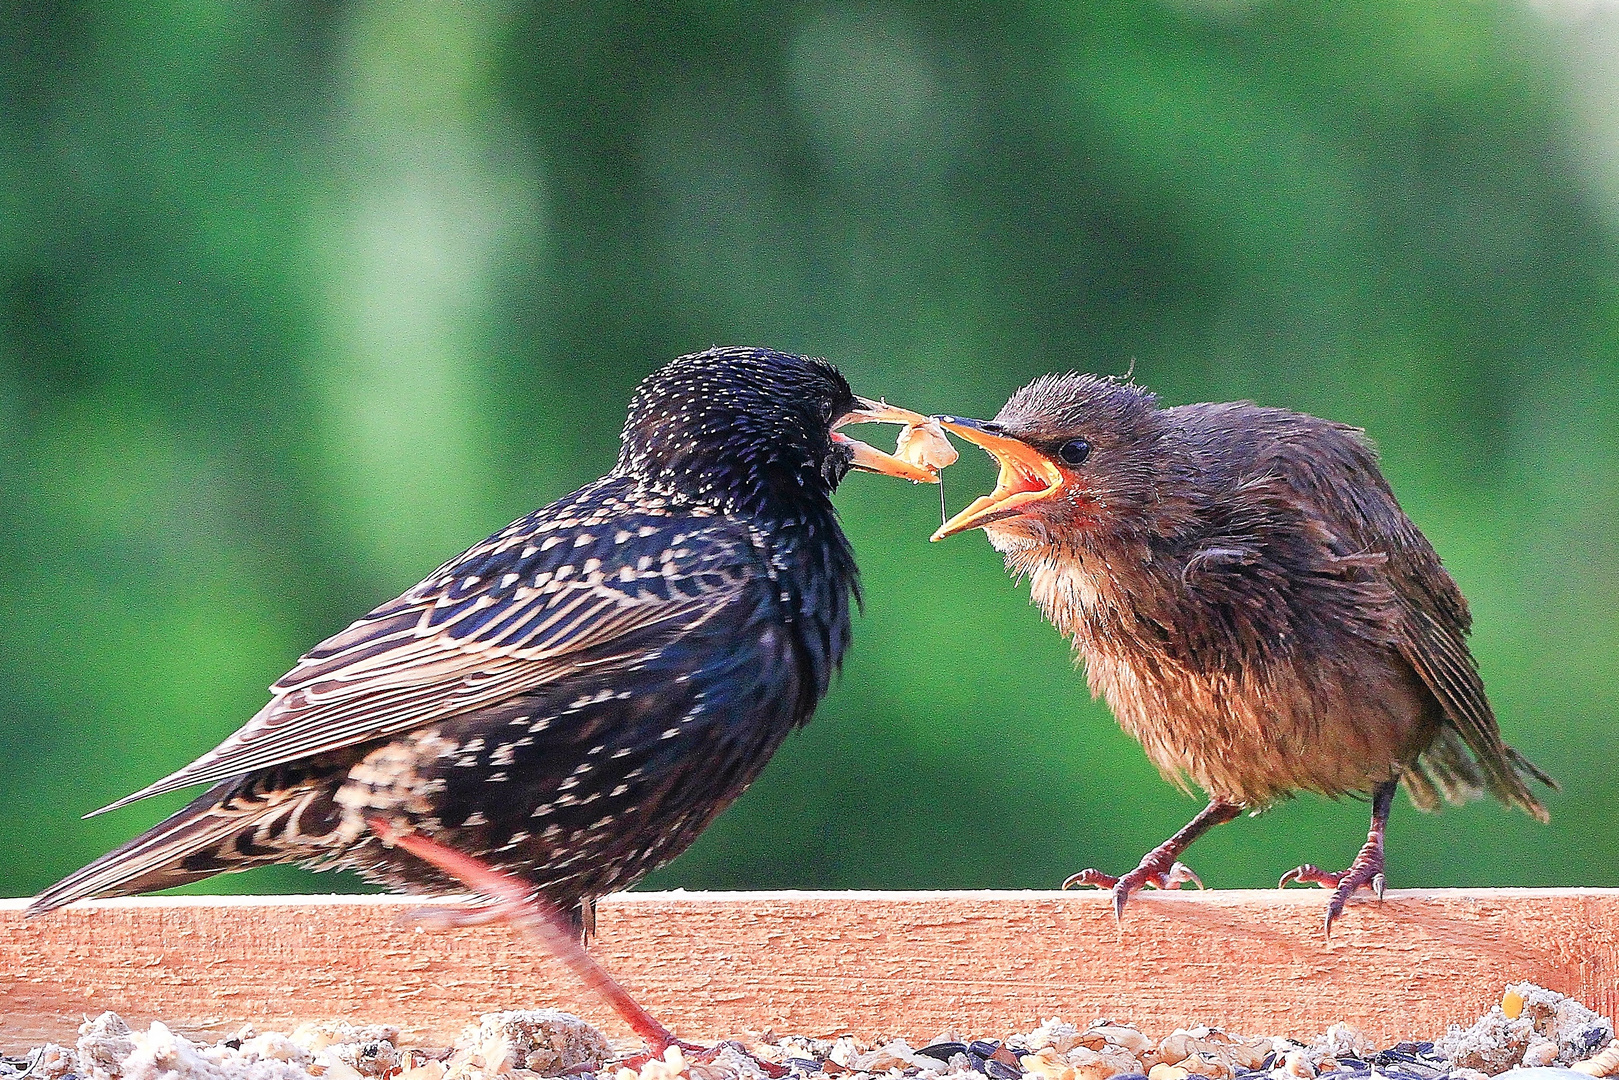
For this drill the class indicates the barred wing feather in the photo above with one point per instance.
(548, 594)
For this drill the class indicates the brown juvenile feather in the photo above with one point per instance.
(1253, 603)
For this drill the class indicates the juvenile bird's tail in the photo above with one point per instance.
(1528, 770)
(232, 826)
(1449, 771)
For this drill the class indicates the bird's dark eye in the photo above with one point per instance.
(1074, 451)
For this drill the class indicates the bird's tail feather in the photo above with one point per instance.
(1449, 771)
(1527, 768)
(213, 834)
(1446, 772)
(1507, 772)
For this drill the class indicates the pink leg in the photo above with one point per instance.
(1159, 868)
(512, 901)
(1367, 869)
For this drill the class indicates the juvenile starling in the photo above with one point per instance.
(563, 707)
(1251, 601)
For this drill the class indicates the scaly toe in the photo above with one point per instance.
(1090, 878)
(1310, 874)
(1121, 896)
(1350, 882)
(1147, 875)
(1335, 908)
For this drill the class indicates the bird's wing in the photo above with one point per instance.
(1400, 591)
(586, 581)
(1285, 550)
(1434, 644)
(1430, 623)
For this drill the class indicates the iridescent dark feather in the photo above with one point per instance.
(573, 699)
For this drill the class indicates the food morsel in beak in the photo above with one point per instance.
(926, 445)
(871, 459)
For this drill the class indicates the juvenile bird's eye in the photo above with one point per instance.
(1074, 451)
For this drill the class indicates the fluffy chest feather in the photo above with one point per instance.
(1244, 708)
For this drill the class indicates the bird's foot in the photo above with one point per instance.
(1161, 867)
(1091, 878)
(1159, 870)
(1366, 872)
(688, 1052)
(514, 901)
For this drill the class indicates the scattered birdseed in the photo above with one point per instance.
(347, 1051)
(1532, 1028)
(104, 1045)
(544, 1041)
(1604, 1064)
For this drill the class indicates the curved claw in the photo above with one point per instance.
(1310, 874)
(1365, 873)
(1095, 879)
(1091, 878)
(1147, 874)
(1179, 874)
(1335, 906)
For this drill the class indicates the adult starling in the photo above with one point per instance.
(563, 707)
(1251, 601)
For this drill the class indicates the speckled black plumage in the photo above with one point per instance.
(573, 699)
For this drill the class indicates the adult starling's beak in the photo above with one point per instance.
(869, 457)
(1027, 476)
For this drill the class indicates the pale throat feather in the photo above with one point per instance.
(1080, 594)
(1075, 590)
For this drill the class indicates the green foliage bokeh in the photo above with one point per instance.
(299, 299)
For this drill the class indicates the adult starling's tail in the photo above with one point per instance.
(234, 825)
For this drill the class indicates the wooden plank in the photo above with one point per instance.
(898, 964)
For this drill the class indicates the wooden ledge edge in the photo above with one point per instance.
(911, 964)
(1243, 897)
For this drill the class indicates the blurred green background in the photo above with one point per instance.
(299, 299)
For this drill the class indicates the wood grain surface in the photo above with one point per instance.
(899, 964)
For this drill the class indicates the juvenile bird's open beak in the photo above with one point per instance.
(1027, 476)
(870, 458)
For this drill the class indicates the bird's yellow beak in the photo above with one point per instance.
(1027, 476)
(870, 458)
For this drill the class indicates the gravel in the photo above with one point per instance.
(1533, 1034)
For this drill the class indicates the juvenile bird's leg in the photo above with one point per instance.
(512, 901)
(1159, 867)
(1367, 869)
